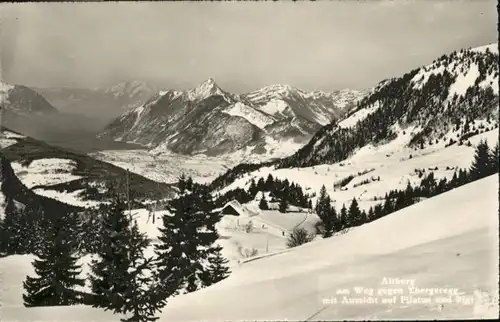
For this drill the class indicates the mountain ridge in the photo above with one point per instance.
(422, 114)
(298, 114)
(440, 101)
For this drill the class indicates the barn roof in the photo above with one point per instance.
(239, 208)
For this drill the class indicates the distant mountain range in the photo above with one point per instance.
(437, 105)
(101, 104)
(27, 111)
(209, 120)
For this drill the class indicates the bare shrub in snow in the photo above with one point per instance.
(249, 227)
(298, 237)
(247, 252)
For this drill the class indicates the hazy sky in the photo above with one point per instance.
(324, 45)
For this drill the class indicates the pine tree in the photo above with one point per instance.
(252, 190)
(388, 206)
(370, 215)
(109, 270)
(463, 177)
(355, 216)
(364, 217)
(3, 248)
(344, 218)
(409, 195)
(11, 238)
(56, 269)
(454, 180)
(217, 269)
(326, 214)
(378, 211)
(182, 183)
(121, 276)
(494, 158)
(428, 185)
(189, 183)
(35, 223)
(283, 205)
(92, 232)
(263, 203)
(269, 184)
(141, 297)
(400, 201)
(481, 164)
(186, 241)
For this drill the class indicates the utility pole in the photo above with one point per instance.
(128, 196)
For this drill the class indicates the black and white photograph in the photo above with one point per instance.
(182, 161)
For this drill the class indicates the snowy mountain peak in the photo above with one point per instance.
(493, 48)
(204, 90)
(4, 91)
(208, 118)
(130, 88)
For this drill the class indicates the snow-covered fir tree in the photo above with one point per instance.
(217, 269)
(141, 297)
(109, 269)
(344, 220)
(34, 224)
(3, 248)
(92, 231)
(11, 241)
(326, 214)
(56, 269)
(121, 277)
(263, 205)
(481, 166)
(283, 205)
(494, 158)
(355, 215)
(186, 242)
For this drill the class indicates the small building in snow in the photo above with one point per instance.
(234, 208)
(229, 209)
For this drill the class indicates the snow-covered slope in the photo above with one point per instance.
(70, 177)
(253, 116)
(436, 244)
(13, 189)
(209, 120)
(441, 245)
(376, 169)
(444, 101)
(268, 235)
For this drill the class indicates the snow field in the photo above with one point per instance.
(48, 171)
(443, 242)
(391, 162)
